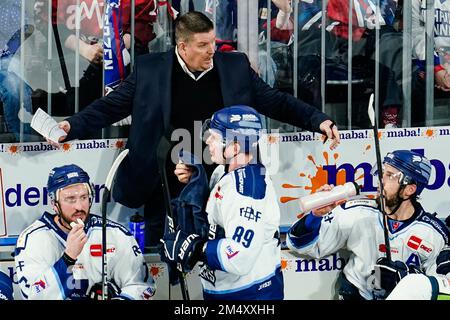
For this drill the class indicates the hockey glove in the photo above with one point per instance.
(443, 261)
(183, 249)
(96, 291)
(387, 275)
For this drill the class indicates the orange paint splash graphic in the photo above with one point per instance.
(287, 199)
(272, 139)
(283, 264)
(319, 178)
(430, 133)
(66, 147)
(13, 149)
(288, 186)
(300, 215)
(368, 147)
(155, 270)
(119, 144)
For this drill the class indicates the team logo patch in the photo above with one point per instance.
(111, 249)
(425, 248)
(218, 195)
(39, 285)
(148, 293)
(72, 175)
(96, 250)
(414, 242)
(250, 214)
(207, 274)
(230, 252)
(382, 248)
(395, 225)
(235, 117)
(249, 117)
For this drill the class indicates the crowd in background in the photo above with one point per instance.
(51, 46)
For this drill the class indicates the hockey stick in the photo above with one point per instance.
(106, 193)
(163, 150)
(373, 120)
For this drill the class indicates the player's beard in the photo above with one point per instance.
(63, 218)
(393, 201)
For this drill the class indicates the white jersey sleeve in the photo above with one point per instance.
(320, 236)
(130, 271)
(42, 274)
(418, 30)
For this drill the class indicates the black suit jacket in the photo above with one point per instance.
(146, 95)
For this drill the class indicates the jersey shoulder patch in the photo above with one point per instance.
(250, 181)
(360, 202)
(436, 223)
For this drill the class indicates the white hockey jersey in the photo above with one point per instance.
(441, 27)
(357, 226)
(246, 264)
(42, 273)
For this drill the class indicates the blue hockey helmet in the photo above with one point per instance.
(238, 123)
(415, 168)
(61, 177)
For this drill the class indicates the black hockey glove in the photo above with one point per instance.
(96, 291)
(387, 275)
(443, 261)
(183, 249)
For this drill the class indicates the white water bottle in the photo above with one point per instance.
(324, 198)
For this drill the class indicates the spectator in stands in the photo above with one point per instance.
(90, 44)
(441, 55)
(336, 50)
(10, 81)
(276, 70)
(146, 12)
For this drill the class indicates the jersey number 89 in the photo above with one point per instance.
(243, 236)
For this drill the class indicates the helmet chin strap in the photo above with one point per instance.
(61, 220)
(226, 163)
(400, 202)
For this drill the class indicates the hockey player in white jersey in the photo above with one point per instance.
(246, 263)
(416, 237)
(59, 256)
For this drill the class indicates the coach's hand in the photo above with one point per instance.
(330, 130)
